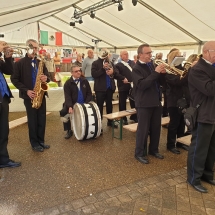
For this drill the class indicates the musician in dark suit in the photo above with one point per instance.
(175, 92)
(76, 90)
(104, 84)
(24, 79)
(201, 155)
(148, 104)
(125, 68)
(6, 67)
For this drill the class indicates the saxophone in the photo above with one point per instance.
(39, 88)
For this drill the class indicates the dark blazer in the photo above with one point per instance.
(6, 68)
(99, 75)
(22, 76)
(176, 88)
(201, 82)
(125, 72)
(145, 90)
(71, 92)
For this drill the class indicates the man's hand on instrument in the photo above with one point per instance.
(125, 80)
(109, 71)
(70, 110)
(160, 68)
(31, 94)
(106, 65)
(43, 78)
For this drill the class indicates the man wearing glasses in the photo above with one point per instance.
(148, 104)
(24, 79)
(76, 90)
(201, 155)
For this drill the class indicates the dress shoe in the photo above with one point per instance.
(110, 124)
(182, 146)
(10, 164)
(212, 182)
(157, 155)
(38, 148)
(199, 188)
(45, 146)
(143, 160)
(69, 133)
(174, 150)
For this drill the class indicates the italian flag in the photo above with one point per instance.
(51, 38)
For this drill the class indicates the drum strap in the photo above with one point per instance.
(96, 119)
(86, 121)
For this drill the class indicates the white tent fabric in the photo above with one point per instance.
(160, 23)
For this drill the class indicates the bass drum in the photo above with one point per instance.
(86, 121)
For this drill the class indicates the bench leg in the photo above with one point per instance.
(120, 128)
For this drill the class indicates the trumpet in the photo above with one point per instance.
(17, 49)
(172, 70)
(106, 60)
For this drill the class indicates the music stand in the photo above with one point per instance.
(177, 61)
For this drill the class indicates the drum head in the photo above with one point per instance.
(78, 121)
(86, 121)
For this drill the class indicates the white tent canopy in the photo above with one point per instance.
(160, 23)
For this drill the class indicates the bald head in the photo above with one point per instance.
(90, 53)
(208, 51)
(124, 55)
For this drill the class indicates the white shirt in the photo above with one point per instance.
(78, 83)
(207, 61)
(142, 62)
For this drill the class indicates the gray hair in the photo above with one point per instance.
(74, 66)
(29, 41)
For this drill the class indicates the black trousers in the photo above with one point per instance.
(102, 97)
(123, 95)
(176, 127)
(165, 109)
(66, 125)
(149, 119)
(36, 122)
(4, 130)
(201, 155)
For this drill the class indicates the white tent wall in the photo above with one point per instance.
(161, 23)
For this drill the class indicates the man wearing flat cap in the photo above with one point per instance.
(104, 72)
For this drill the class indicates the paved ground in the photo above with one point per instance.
(95, 177)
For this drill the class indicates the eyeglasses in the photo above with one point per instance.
(211, 50)
(148, 53)
(76, 71)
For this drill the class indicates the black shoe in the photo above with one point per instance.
(125, 122)
(110, 124)
(183, 146)
(174, 150)
(38, 148)
(68, 134)
(45, 146)
(143, 160)
(157, 155)
(11, 164)
(199, 188)
(101, 132)
(212, 182)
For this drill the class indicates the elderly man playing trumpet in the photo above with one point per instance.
(103, 71)
(6, 67)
